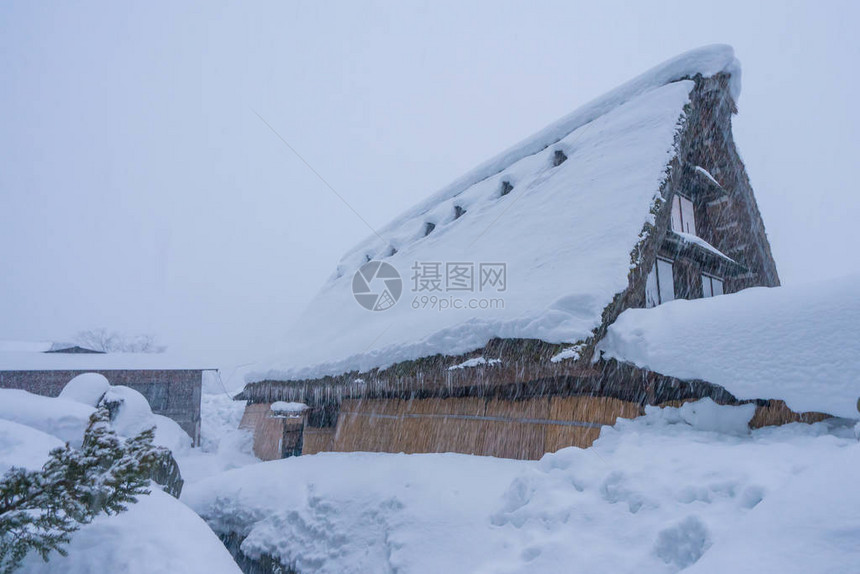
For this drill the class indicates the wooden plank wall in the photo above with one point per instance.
(269, 431)
(519, 429)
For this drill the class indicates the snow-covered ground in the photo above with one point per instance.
(688, 489)
(223, 445)
(679, 489)
(157, 535)
(800, 343)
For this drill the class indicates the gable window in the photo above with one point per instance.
(711, 286)
(660, 285)
(683, 220)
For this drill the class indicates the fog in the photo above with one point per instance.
(142, 190)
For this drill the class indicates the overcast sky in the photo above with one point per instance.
(139, 190)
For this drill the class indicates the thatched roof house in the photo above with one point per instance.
(470, 323)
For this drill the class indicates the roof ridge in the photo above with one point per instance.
(706, 61)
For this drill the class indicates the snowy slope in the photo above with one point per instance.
(24, 446)
(800, 344)
(565, 234)
(157, 535)
(676, 488)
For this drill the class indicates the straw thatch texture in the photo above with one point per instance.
(318, 440)
(602, 410)
(523, 429)
(516, 439)
(776, 412)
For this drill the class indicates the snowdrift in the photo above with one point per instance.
(800, 344)
(677, 489)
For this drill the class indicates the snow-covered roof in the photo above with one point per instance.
(25, 346)
(800, 344)
(35, 346)
(38, 360)
(564, 233)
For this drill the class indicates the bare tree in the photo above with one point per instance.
(115, 342)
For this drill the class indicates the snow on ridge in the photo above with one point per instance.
(475, 362)
(707, 61)
(566, 354)
(800, 344)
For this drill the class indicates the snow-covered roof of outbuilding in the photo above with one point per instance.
(37, 360)
(799, 344)
(562, 211)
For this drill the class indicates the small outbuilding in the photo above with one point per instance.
(172, 386)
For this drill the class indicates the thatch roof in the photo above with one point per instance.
(564, 211)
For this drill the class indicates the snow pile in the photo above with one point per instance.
(24, 446)
(88, 388)
(800, 344)
(62, 418)
(706, 415)
(356, 512)
(158, 534)
(67, 419)
(659, 494)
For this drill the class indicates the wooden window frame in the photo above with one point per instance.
(711, 278)
(656, 271)
(679, 197)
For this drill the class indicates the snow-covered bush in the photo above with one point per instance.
(131, 414)
(40, 509)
